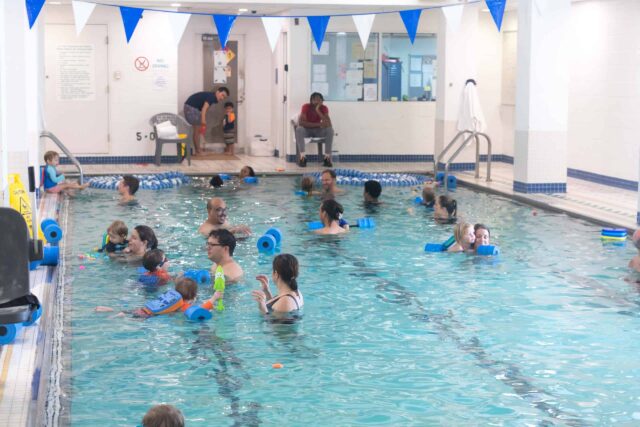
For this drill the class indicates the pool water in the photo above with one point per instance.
(548, 333)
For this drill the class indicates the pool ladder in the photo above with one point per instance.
(468, 137)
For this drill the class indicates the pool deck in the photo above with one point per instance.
(21, 396)
(601, 204)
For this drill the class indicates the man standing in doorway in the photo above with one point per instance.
(195, 111)
(314, 122)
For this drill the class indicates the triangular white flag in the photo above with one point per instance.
(363, 25)
(178, 23)
(453, 15)
(273, 28)
(81, 13)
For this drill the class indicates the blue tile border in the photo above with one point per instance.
(351, 158)
(638, 218)
(603, 179)
(550, 187)
(99, 160)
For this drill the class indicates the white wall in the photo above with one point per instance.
(21, 90)
(604, 88)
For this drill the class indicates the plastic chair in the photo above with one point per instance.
(17, 303)
(183, 127)
(295, 120)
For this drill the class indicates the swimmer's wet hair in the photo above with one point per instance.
(119, 228)
(132, 182)
(286, 265)
(428, 195)
(187, 288)
(50, 155)
(479, 226)
(373, 188)
(459, 229)
(332, 208)
(216, 181)
(330, 172)
(251, 171)
(225, 238)
(306, 184)
(163, 416)
(147, 235)
(152, 259)
(449, 204)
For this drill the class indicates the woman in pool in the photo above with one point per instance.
(445, 210)
(465, 237)
(330, 212)
(284, 275)
(483, 236)
(142, 239)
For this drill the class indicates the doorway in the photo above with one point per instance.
(76, 105)
(224, 67)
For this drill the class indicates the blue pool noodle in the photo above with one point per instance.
(9, 332)
(34, 317)
(197, 314)
(251, 180)
(488, 250)
(266, 243)
(201, 277)
(276, 233)
(452, 182)
(440, 247)
(52, 233)
(148, 279)
(315, 225)
(51, 255)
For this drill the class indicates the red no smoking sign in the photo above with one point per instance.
(141, 63)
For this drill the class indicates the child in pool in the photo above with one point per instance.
(216, 181)
(445, 210)
(428, 196)
(306, 185)
(116, 239)
(156, 264)
(188, 290)
(465, 238)
(163, 416)
(483, 236)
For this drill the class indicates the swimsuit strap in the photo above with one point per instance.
(276, 299)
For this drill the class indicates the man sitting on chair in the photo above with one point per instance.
(314, 122)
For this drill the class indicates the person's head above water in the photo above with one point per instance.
(636, 239)
(483, 235)
(330, 210)
(306, 184)
(220, 245)
(216, 211)
(142, 239)
(246, 171)
(216, 181)
(285, 267)
(328, 180)
(372, 190)
(154, 259)
(445, 208)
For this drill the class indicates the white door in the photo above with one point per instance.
(76, 88)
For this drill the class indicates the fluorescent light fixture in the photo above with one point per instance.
(242, 9)
(176, 4)
(54, 2)
(341, 33)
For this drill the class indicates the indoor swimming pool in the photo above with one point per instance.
(546, 333)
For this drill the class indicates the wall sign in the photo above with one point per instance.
(76, 79)
(141, 63)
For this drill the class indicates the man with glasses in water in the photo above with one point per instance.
(217, 220)
(220, 246)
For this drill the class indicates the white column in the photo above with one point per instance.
(457, 60)
(4, 163)
(542, 93)
(21, 90)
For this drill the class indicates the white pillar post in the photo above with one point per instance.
(457, 62)
(542, 94)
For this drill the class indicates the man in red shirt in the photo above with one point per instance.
(314, 122)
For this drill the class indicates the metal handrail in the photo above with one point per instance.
(473, 136)
(51, 136)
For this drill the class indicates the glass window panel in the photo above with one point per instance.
(408, 70)
(342, 70)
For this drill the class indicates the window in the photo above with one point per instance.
(408, 71)
(342, 70)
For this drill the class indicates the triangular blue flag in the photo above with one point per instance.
(223, 25)
(496, 7)
(318, 26)
(410, 19)
(33, 10)
(130, 18)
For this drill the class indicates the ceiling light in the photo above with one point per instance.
(175, 5)
(242, 9)
(55, 2)
(341, 33)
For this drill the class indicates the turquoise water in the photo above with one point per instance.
(547, 334)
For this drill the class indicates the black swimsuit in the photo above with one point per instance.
(275, 300)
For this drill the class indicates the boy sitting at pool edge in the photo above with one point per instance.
(54, 183)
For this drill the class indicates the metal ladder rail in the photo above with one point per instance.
(436, 160)
(65, 150)
(474, 136)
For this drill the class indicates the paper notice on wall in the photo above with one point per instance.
(219, 74)
(321, 87)
(160, 82)
(219, 58)
(370, 71)
(324, 49)
(370, 92)
(353, 91)
(319, 77)
(354, 77)
(75, 79)
(319, 73)
(416, 63)
(357, 52)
